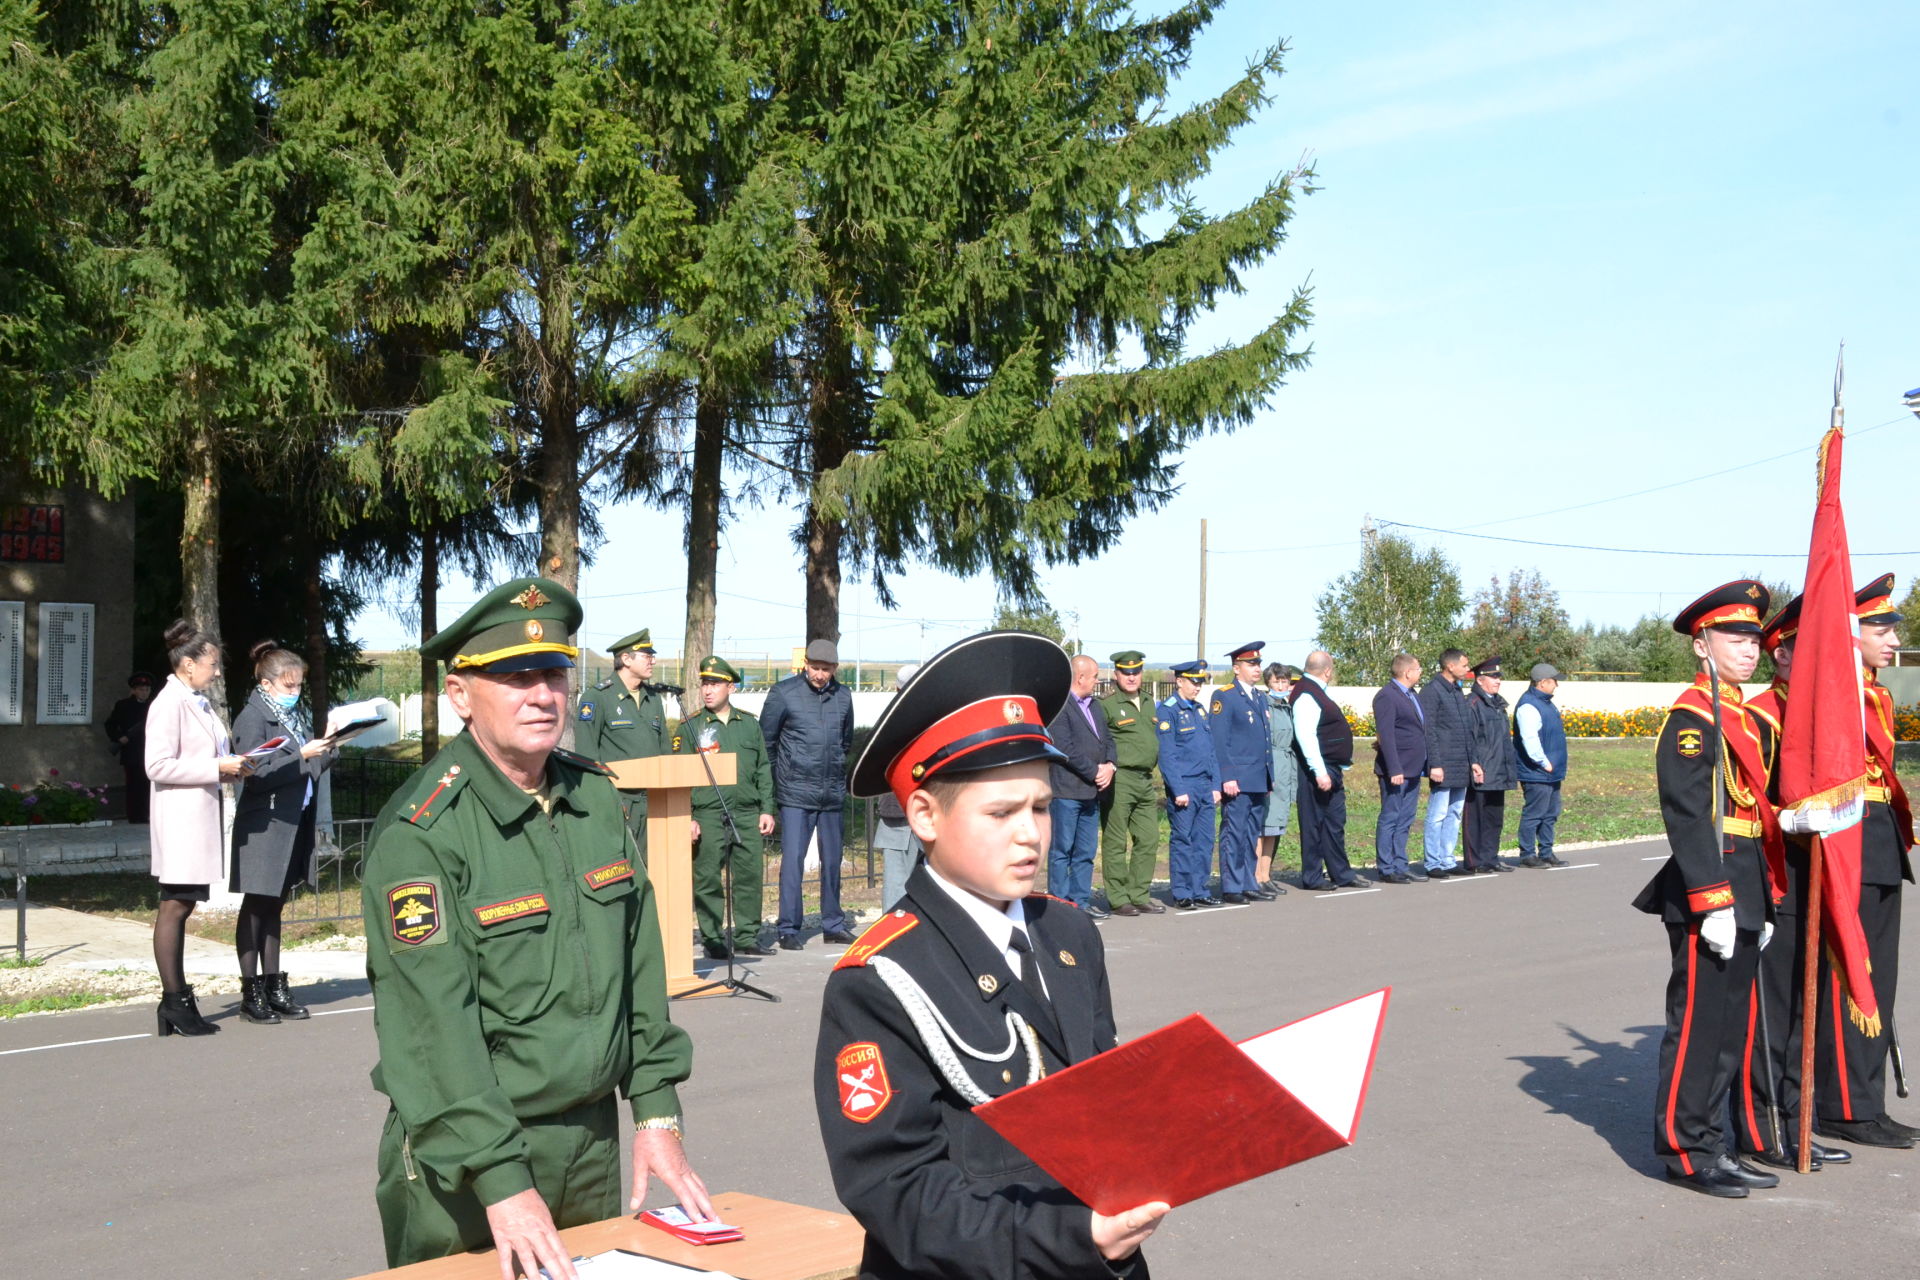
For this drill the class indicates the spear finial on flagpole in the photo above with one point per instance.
(1839, 381)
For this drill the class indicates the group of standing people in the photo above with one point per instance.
(189, 759)
(1473, 747)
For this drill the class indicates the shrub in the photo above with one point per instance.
(50, 801)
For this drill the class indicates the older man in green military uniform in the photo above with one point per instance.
(622, 718)
(514, 953)
(720, 726)
(1130, 808)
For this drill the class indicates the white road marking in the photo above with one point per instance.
(1350, 893)
(1658, 857)
(1207, 911)
(74, 1044)
(328, 1013)
(1574, 867)
(1466, 879)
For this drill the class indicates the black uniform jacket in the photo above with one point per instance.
(939, 1192)
(1698, 877)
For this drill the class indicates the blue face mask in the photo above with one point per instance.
(284, 701)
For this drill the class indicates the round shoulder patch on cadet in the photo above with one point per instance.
(586, 711)
(1216, 706)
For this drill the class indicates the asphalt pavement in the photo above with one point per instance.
(1507, 1131)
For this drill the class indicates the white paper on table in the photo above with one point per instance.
(617, 1265)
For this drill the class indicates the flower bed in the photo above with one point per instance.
(50, 802)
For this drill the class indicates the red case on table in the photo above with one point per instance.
(688, 1233)
(1201, 1112)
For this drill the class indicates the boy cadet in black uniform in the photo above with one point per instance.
(1850, 1077)
(514, 953)
(720, 726)
(971, 987)
(1717, 900)
(622, 718)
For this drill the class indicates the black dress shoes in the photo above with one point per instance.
(1153, 907)
(1531, 861)
(1395, 877)
(1746, 1173)
(715, 951)
(1829, 1155)
(1781, 1160)
(1264, 895)
(1548, 860)
(791, 942)
(1862, 1133)
(1193, 904)
(1496, 866)
(1126, 909)
(755, 950)
(1444, 873)
(841, 936)
(1711, 1181)
(1234, 899)
(1325, 886)
(1897, 1129)
(1209, 900)
(1274, 887)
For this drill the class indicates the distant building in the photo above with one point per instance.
(66, 631)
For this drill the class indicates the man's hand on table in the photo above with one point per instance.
(525, 1240)
(659, 1153)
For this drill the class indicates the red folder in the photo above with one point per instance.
(1201, 1112)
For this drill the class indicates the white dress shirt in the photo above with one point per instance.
(1527, 720)
(998, 925)
(1306, 730)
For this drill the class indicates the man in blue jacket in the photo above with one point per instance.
(1085, 769)
(1400, 759)
(1449, 762)
(1244, 752)
(1540, 745)
(808, 723)
(1193, 786)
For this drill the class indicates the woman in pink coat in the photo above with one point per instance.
(187, 756)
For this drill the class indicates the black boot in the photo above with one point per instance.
(253, 1001)
(279, 1000)
(178, 1013)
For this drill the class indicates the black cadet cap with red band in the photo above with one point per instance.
(1734, 606)
(1874, 603)
(1783, 626)
(978, 704)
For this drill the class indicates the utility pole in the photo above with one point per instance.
(1200, 646)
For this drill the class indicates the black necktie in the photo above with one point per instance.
(1023, 967)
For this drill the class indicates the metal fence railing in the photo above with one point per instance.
(338, 855)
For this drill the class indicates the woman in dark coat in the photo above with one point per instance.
(273, 825)
(1495, 771)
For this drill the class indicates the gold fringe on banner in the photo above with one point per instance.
(1868, 1026)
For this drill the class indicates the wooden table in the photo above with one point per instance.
(783, 1242)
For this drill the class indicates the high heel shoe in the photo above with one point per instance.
(280, 1000)
(253, 1002)
(179, 1013)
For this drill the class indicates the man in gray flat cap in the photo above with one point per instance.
(808, 723)
(1540, 746)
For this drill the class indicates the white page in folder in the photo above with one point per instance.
(1323, 1060)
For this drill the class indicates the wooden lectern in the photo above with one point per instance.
(669, 782)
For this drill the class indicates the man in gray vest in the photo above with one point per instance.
(1540, 744)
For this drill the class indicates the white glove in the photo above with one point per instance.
(1718, 931)
(1766, 934)
(1813, 820)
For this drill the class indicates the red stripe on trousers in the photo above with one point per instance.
(1840, 1048)
(1746, 1060)
(1680, 1055)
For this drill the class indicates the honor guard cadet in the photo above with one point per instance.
(1715, 890)
(1768, 1082)
(514, 954)
(971, 987)
(622, 718)
(1130, 823)
(1850, 1077)
(1238, 715)
(720, 726)
(1192, 776)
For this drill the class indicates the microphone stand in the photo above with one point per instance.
(732, 984)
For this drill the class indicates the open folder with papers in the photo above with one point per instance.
(1201, 1113)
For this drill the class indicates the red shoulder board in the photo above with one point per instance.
(1062, 901)
(877, 936)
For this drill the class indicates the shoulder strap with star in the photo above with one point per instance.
(581, 762)
(433, 794)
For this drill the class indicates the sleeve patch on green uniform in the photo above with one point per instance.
(414, 911)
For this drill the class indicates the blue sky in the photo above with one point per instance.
(1558, 256)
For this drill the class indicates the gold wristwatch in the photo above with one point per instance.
(671, 1123)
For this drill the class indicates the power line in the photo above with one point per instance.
(1637, 551)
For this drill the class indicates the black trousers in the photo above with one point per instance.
(1770, 1054)
(1323, 833)
(1481, 826)
(1850, 1067)
(1708, 1004)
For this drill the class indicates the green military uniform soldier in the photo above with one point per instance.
(623, 718)
(514, 953)
(720, 726)
(1130, 808)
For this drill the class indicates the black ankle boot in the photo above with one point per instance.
(280, 1000)
(178, 1013)
(253, 1001)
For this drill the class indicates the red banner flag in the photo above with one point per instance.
(1823, 749)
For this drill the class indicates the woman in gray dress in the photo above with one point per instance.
(273, 825)
(1279, 681)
